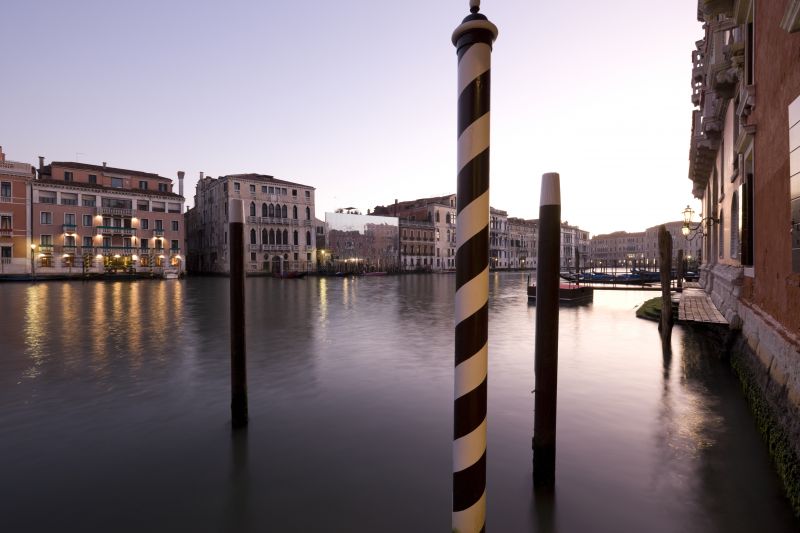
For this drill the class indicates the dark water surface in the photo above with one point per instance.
(114, 413)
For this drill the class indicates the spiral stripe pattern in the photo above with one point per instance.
(473, 40)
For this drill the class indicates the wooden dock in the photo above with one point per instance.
(696, 306)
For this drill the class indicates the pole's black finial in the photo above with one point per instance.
(474, 6)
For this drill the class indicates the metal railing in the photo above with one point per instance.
(118, 211)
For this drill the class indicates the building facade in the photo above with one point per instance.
(417, 245)
(363, 243)
(438, 210)
(280, 232)
(622, 249)
(745, 169)
(15, 213)
(522, 236)
(499, 256)
(95, 218)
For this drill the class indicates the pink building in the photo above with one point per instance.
(91, 218)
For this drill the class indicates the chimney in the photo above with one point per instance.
(2, 155)
(180, 182)
(201, 176)
(41, 163)
(395, 207)
(104, 165)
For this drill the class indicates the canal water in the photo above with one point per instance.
(114, 413)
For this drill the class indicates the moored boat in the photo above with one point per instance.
(568, 293)
(291, 274)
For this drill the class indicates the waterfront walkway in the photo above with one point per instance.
(696, 306)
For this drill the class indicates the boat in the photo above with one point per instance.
(170, 273)
(291, 274)
(568, 293)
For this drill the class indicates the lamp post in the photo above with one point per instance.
(690, 230)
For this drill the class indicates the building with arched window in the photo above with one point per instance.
(268, 202)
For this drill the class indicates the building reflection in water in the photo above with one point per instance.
(36, 299)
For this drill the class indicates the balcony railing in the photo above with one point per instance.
(115, 211)
(276, 247)
(6, 232)
(158, 233)
(114, 230)
(45, 248)
(69, 228)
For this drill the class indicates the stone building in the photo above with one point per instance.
(15, 213)
(417, 245)
(438, 210)
(573, 238)
(95, 218)
(280, 233)
(622, 249)
(745, 168)
(498, 239)
(522, 236)
(363, 243)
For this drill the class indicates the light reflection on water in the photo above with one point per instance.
(115, 410)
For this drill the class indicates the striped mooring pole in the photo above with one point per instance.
(473, 41)
(546, 343)
(238, 345)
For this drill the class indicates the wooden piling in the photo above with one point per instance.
(680, 269)
(238, 345)
(665, 258)
(546, 344)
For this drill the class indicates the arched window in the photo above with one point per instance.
(308, 238)
(294, 211)
(252, 209)
(271, 210)
(285, 235)
(272, 236)
(278, 237)
(264, 236)
(294, 238)
(264, 210)
(308, 213)
(283, 211)
(447, 218)
(252, 236)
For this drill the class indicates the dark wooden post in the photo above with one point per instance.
(546, 344)
(679, 268)
(238, 344)
(665, 258)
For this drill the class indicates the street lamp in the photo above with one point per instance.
(689, 230)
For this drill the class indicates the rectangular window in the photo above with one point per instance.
(46, 240)
(145, 223)
(283, 191)
(264, 189)
(45, 217)
(272, 190)
(5, 189)
(116, 183)
(69, 241)
(87, 242)
(157, 207)
(142, 205)
(252, 256)
(87, 220)
(294, 192)
(88, 201)
(106, 242)
(173, 208)
(5, 222)
(69, 219)
(93, 179)
(252, 188)
(235, 186)
(174, 244)
(163, 187)
(68, 176)
(308, 194)
(174, 225)
(159, 224)
(143, 185)
(69, 199)
(145, 244)
(47, 197)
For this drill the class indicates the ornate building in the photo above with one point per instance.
(280, 233)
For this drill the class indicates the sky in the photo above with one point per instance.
(358, 97)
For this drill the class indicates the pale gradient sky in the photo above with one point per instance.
(357, 97)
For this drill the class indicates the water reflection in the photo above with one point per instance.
(350, 384)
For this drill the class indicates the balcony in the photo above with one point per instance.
(114, 230)
(116, 250)
(69, 228)
(254, 247)
(158, 233)
(114, 211)
(275, 247)
(6, 232)
(45, 248)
